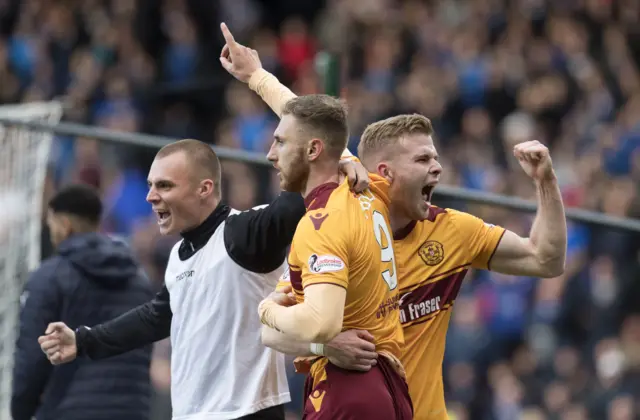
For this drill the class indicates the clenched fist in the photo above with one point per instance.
(59, 343)
(241, 62)
(535, 160)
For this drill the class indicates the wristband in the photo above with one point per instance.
(317, 349)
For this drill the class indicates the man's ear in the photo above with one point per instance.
(206, 188)
(384, 171)
(315, 147)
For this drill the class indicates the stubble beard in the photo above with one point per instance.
(297, 175)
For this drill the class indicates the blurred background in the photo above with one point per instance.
(489, 73)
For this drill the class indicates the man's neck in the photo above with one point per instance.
(206, 212)
(321, 174)
(398, 222)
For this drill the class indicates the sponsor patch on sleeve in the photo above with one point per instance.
(325, 263)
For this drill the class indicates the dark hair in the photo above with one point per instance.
(201, 155)
(78, 200)
(324, 117)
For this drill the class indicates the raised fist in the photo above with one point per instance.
(534, 158)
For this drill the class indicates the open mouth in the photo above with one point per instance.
(163, 216)
(427, 190)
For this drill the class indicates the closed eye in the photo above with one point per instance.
(426, 159)
(161, 185)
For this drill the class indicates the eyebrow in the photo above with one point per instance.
(428, 156)
(161, 182)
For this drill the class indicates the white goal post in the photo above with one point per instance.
(24, 154)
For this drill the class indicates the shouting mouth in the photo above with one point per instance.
(163, 217)
(427, 191)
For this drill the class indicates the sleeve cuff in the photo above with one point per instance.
(257, 77)
(82, 334)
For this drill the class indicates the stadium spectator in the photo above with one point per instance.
(92, 278)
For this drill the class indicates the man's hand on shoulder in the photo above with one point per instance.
(356, 173)
(352, 350)
(59, 343)
(241, 62)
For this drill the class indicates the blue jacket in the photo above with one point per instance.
(92, 279)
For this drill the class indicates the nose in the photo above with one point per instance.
(436, 168)
(271, 155)
(152, 196)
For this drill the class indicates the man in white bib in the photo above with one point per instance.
(225, 264)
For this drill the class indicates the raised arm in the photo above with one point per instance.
(543, 253)
(244, 64)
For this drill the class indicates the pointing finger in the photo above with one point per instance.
(228, 37)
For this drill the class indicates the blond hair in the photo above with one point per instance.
(380, 135)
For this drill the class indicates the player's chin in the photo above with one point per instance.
(421, 210)
(290, 185)
(284, 185)
(167, 229)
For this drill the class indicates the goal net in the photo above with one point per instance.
(23, 162)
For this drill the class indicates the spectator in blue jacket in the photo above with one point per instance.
(92, 278)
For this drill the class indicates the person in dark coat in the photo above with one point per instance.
(92, 278)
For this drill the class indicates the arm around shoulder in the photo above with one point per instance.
(258, 239)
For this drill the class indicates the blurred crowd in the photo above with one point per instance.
(489, 73)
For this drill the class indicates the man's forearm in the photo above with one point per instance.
(549, 230)
(280, 342)
(272, 92)
(302, 322)
(140, 326)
